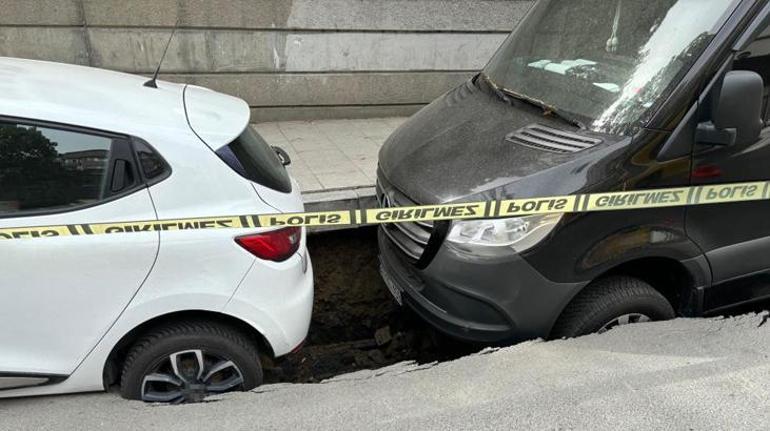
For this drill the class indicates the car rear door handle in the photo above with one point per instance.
(119, 175)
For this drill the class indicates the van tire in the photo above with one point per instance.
(213, 338)
(607, 299)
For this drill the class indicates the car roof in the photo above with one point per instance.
(88, 97)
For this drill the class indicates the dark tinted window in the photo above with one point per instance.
(49, 169)
(254, 159)
(757, 59)
(153, 166)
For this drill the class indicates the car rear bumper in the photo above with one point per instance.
(487, 300)
(277, 300)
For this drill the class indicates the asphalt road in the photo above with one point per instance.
(684, 374)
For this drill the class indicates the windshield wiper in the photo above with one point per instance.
(548, 110)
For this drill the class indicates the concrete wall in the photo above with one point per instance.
(290, 59)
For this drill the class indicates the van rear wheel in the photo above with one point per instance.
(187, 361)
(611, 302)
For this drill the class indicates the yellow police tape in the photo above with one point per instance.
(643, 199)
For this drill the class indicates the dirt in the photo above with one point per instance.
(356, 323)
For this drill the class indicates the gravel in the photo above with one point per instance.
(682, 374)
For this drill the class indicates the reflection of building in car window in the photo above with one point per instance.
(88, 168)
(45, 169)
(85, 160)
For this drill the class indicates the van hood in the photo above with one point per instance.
(455, 149)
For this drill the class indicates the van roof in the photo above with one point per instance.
(100, 99)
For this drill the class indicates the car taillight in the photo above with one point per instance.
(277, 245)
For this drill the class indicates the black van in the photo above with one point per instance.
(589, 96)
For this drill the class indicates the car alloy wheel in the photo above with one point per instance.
(190, 376)
(625, 319)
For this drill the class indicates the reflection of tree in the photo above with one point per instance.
(638, 95)
(32, 173)
(24, 150)
(27, 158)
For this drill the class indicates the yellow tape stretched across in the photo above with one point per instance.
(643, 199)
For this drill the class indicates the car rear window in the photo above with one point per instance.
(255, 160)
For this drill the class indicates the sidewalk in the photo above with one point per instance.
(334, 161)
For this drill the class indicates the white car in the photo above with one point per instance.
(170, 316)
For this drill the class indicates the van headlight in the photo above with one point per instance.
(520, 233)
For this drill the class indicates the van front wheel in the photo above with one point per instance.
(611, 302)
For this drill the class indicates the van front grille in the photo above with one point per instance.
(552, 140)
(410, 237)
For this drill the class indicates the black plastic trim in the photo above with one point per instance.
(440, 231)
(167, 167)
(123, 150)
(550, 139)
(52, 379)
(680, 142)
(760, 23)
(63, 126)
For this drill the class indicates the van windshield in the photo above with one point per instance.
(605, 63)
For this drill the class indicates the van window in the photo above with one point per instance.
(251, 157)
(44, 169)
(605, 63)
(756, 58)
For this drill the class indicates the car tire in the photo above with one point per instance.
(149, 375)
(611, 302)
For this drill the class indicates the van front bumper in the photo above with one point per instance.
(478, 299)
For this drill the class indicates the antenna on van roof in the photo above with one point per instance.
(153, 82)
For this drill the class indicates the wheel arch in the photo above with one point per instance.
(673, 279)
(680, 282)
(114, 362)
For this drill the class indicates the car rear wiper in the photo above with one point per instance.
(548, 110)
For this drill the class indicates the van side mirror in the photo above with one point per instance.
(736, 111)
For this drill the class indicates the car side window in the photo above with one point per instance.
(47, 169)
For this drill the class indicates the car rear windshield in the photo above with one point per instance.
(255, 160)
